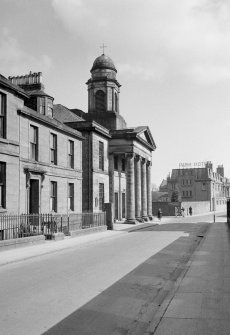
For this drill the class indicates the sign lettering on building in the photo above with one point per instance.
(192, 165)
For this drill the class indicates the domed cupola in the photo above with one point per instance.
(103, 62)
(103, 88)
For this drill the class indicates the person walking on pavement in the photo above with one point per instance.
(182, 211)
(159, 214)
(190, 210)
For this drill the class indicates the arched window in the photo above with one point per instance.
(100, 101)
(116, 103)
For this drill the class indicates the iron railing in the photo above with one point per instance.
(24, 225)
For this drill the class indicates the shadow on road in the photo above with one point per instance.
(130, 304)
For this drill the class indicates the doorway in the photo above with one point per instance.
(123, 205)
(34, 196)
(116, 205)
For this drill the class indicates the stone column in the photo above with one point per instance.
(149, 191)
(144, 189)
(111, 188)
(138, 188)
(130, 194)
(119, 192)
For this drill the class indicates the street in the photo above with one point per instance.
(38, 293)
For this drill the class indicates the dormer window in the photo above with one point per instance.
(42, 106)
(50, 108)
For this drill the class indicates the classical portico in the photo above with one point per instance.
(135, 146)
(138, 188)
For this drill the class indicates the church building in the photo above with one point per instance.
(117, 158)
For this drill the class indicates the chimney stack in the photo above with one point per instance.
(29, 82)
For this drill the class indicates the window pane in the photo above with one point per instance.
(53, 196)
(2, 184)
(101, 155)
(1, 196)
(71, 154)
(42, 106)
(32, 151)
(70, 149)
(2, 104)
(53, 148)
(2, 172)
(52, 156)
(33, 142)
(101, 196)
(1, 126)
(32, 134)
(71, 196)
(2, 115)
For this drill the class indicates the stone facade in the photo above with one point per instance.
(201, 188)
(112, 163)
(27, 185)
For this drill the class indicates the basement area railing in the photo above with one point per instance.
(25, 225)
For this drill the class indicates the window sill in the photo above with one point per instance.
(5, 140)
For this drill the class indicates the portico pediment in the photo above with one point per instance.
(141, 134)
(145, 136)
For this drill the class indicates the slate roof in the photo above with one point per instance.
(39, 93)
(49, 121)
(4, 81)
(63, 114)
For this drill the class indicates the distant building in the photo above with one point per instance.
(158, 196)
(199, 187)
(163, 186)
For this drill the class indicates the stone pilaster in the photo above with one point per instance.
(149, 191)
(130, 190)
(111, 178)
(144, 189)
(138, 188)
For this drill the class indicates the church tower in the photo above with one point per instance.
(103, 94)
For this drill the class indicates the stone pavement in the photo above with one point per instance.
(22, 252)
(200, 302)
(25, 251)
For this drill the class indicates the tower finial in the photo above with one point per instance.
(103, 46)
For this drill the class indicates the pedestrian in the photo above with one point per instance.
(182, 211)
(159, 214)
(190, 210)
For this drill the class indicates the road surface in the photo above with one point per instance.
(38, 293)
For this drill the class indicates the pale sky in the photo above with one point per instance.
(172, 57)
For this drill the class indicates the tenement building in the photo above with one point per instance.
(56, 159)
(40, 157)
(198, 186)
